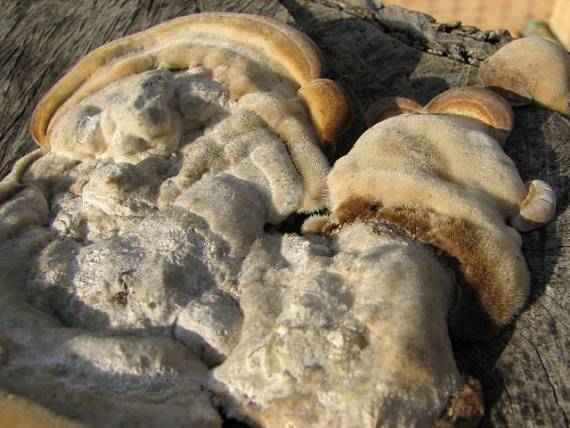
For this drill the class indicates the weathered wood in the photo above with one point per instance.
(372, 53)
(510, 14)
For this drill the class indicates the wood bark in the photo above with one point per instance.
(372, 52)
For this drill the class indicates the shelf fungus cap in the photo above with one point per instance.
(279, 45)
(448, 184)
(476, 103)
(328, 107)
(478, 106)
(275, 67)
(532, 69)
(537, 208)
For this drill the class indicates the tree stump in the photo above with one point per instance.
(372, 52)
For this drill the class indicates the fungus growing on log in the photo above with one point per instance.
(417, 238)
(126, 100)
(531, 69)
(166, 155)
(418, 171)
(138, 279)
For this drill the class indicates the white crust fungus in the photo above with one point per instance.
(138, 281)
(346, 331)
(168, 153)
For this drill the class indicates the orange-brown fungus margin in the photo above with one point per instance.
(477, 103)
(119, 58)
(328, 108)
(386, 108)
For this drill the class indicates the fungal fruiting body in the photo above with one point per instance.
(168, 152)
(138, 279)
(246, 62)
(342, 330)
(475, 107)
(448, 183)
(418, 237)
(532, 69)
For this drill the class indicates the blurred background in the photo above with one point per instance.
(548, 18)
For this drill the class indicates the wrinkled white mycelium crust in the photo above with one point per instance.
(449, 184)
(120, 249)
(341, 331)
(532, 69)
(263, 65)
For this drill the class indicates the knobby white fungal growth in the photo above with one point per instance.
(169, 151)
(348, 330)
(85, 114)
(136, 272)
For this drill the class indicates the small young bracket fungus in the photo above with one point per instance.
(476, 103)
(537, 208)
(472, 103)
(416, 172)
(532, 69)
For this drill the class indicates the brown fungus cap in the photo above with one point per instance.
(250, 64)
(386, 108)
(177, 44)
(328, 108)
(478, 105)
(444, 178)
(532, 68)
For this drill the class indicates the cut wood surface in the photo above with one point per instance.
(372, 53)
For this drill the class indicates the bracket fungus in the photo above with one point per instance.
(103, 108)
(478, 106)
(164, 155)
(141, 283)
(531, 69)
(415, 171)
